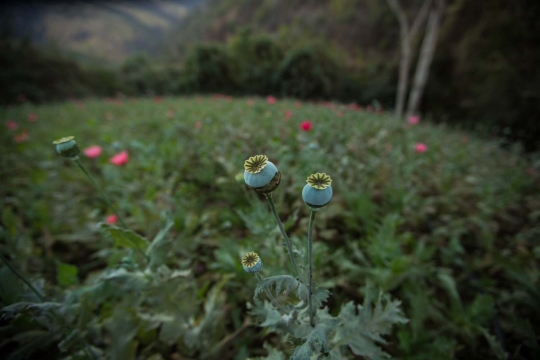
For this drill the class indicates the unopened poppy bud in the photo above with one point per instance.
(67, 147)
(261, 175)
(317, 192)
(251, 262)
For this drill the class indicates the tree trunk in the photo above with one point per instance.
(403, 82)
(406, 37)
(426, 56)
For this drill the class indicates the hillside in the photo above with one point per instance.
(99, 31)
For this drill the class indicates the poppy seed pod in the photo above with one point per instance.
(261, 175)
(251, 262)
(67, 147)
(317, 192)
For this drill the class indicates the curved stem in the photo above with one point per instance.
(20, 276)
(310, 260)
(83, 169)
(282, 229)
(104, 196)
(272, 299)
(43, 299)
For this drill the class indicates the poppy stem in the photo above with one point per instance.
(102, 193)
(109, 203)
(272, 299)
(20, 276)
(310, 261)
(282, 229)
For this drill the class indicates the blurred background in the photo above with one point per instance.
(484, 72)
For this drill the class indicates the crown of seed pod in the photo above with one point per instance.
(67, 147)
(261, 175)
(317, 192)
(251, 262)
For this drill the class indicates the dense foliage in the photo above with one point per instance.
(442, 221)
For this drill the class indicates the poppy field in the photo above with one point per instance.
(426, 247)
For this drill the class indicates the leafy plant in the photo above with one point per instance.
(360, 329)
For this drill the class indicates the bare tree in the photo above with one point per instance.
(407, 34)
(426, 56)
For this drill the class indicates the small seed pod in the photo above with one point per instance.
(251, 262)
(317, 192)
(261, 175)
(67, 147)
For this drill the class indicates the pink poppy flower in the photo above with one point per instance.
(92, 151)
(111, 219)
(11, 125)
(157, 100)
(270, 99)
(413, 120)
(32, 117)
(305, 125)
(355, 106)
(22, 137)
(198, 124)
(288, 114)
(120, 159)
(420, 148)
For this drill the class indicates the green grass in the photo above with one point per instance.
(451, 232)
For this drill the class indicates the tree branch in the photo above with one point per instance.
(420, 18)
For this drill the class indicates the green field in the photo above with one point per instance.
(451, 232)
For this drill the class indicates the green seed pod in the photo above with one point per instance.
(261, 175)
(67, 147)
(251, 262)
(317, 192)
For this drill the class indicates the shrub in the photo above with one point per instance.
(308, 72)
(255, 59)
(208, 69)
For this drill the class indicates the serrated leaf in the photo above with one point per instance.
(10, 311)
(268, 314)
(124, 237)
(127, 280)
(157, 250)
(286, 283)
(315, 344)
(320, 296)
(362, 327)
(123, 328)
(448, 282)
(66, 274)
(273, 354)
